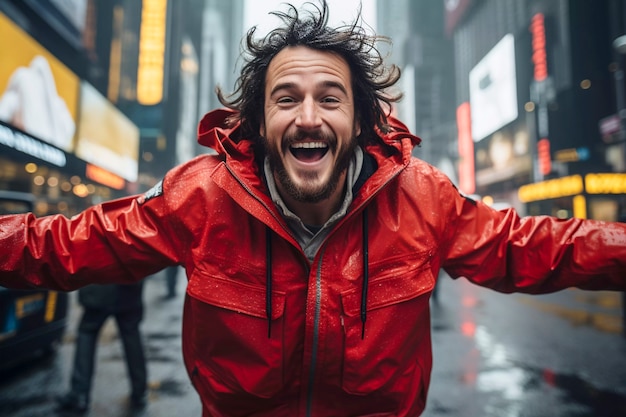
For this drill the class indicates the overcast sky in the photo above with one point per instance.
(341, 11)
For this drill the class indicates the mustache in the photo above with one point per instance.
(318, 135)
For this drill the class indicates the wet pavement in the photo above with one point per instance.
(495, 355)
(31, 392)
(517, 355)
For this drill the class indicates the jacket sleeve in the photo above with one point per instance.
(540, 254)
(118, 241)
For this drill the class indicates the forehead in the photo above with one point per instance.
(302, 61)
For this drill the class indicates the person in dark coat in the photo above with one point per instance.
(171, 278)
(124, 302)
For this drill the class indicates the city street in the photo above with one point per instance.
(495, 356)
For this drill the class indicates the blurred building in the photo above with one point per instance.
(201, 51)
(520, 102)
(426, 57)
(536, 95)
(99, 99)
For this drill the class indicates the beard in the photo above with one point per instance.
(308, 193)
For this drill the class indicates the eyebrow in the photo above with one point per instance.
(324, 84)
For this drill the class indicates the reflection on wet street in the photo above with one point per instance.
(502, 355)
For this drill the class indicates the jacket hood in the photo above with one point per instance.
(220, 131)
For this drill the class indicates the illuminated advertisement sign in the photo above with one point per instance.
(539, 57)
(38, 94)
(593, 183)
(151, 69)
(28, 145)
(105, 136)
(467, 176)
(493, 89)
(504, 155)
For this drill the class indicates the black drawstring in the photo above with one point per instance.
(365, 275)
(268, 280)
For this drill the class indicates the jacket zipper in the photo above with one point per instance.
(316, 325)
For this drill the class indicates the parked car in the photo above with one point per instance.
(32, 322)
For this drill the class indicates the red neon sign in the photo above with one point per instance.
(545, 159)
(540, 57)
(467, 176)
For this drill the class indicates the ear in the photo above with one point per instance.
(357, 128)
(262, 129)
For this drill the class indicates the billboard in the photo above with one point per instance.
(38, 94)
(493, 89)
(105, 136)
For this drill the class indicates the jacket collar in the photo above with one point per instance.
(385, 155)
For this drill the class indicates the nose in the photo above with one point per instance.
(308, 115)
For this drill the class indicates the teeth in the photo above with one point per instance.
(309, 145)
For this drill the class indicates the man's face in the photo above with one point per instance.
(309, 123)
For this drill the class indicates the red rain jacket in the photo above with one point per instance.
(266, 332)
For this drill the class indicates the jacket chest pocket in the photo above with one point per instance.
(229, 336)
(396, 333)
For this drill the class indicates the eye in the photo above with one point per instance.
(285, 100)
(330, 100)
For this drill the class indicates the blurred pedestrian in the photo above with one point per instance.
(99, 302)
(171, 279)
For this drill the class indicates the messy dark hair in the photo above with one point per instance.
(370, 76)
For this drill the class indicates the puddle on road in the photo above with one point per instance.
(514, 381)
(604, 402)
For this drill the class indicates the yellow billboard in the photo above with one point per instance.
(105, 136)
(38, 94)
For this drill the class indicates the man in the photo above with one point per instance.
(312, 241)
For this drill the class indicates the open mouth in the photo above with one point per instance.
(309, 151)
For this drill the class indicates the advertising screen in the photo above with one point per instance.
(493, 89)
(105, 136)
(38, 94)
